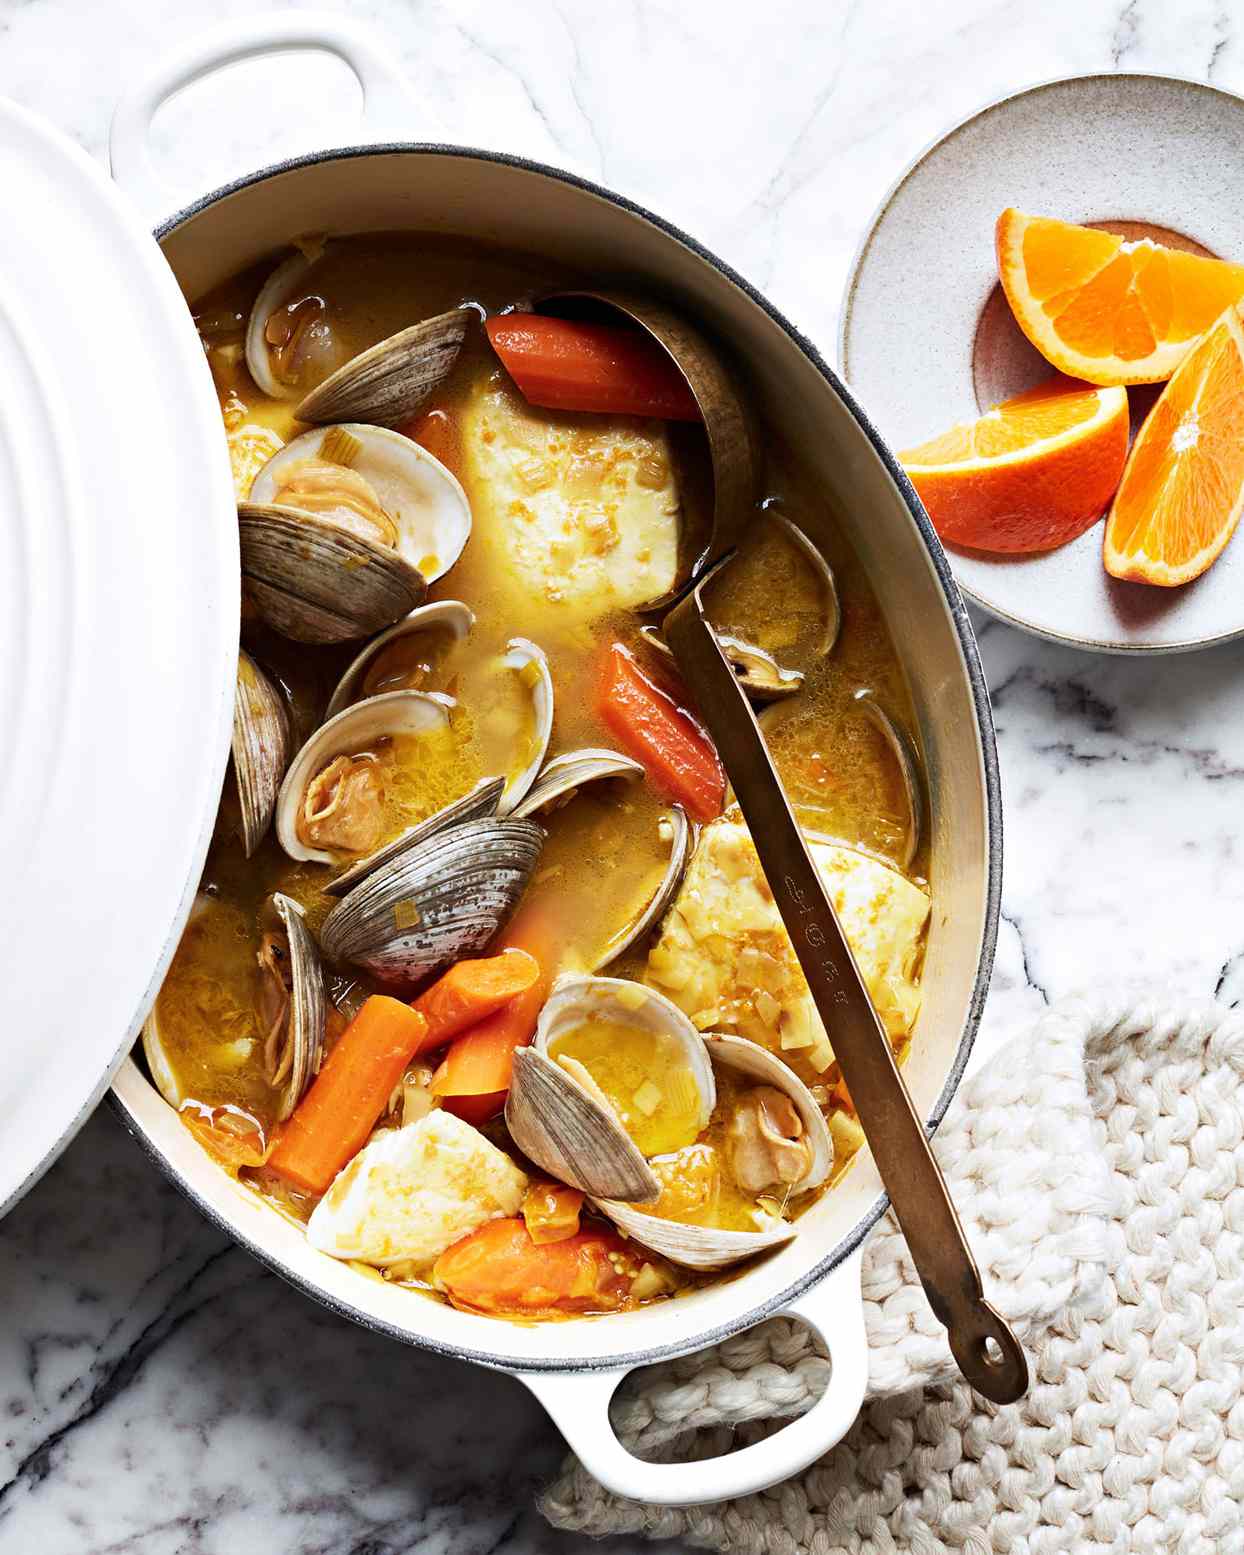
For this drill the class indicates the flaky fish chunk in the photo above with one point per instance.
(412, 1192)
(725, 959)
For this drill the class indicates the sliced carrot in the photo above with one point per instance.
(677, 754)
(564, 364)
(481, 1061)
(472, 990)
(334, 1118)
(500, 1269)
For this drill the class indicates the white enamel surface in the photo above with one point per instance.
(426, 502)
(1098, 148)
(113, 602)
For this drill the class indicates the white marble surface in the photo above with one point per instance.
(159, 1392)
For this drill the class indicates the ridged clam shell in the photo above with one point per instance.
(435, 903)
(561, 778)
(261, 749)
(425, 501)
(317, 583)
(571, 1133)
(307, 1004)
(388, 382)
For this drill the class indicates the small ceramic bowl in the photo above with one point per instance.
(927, 338)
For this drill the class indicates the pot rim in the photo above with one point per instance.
(825, 1265)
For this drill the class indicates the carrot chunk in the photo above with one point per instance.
(500, 1269)
(334, 1118)
(677, 754)
(563, 364)
(472, 990)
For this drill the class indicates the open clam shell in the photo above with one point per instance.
(681, 841)
(276, 291)
(349, 733)
(561, 1119)
(435, 903)
(160, 1063)
(831, 610)
(261, 749)
(904, 753)
(562, 778)
(759, 673)
(480, 802)
(294, 1042)
(421, 498)
(315, 582)
(529, 663)
(449, 615)
(707, 1247)
(388, 382)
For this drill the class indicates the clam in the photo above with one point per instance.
(481, 801)
(901, 748)
(759, 673)
(389, 661)
(560, 1117)
(327, 780)
(831, 611)
(388, 382)
(292, 1004)
(562, 778)
(780, 1118)
(681, 836)
(528, 662)
(261, 749)
(283, 340)
(345, 527)
(434, 903)
(159, 1063)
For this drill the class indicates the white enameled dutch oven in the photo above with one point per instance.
(573, 1367)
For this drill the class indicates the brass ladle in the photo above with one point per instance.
(987, 1352)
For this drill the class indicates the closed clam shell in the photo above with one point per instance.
(303, 1049)
(315, 582)
(424, 501)
(561, 1119)
(435, 903)
(449, 615)
(389, 381)
(905, 759)
(349, 733)
(261, 749)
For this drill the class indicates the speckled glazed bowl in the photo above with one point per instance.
(575, 1366)
(927, 338)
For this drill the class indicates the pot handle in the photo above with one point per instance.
(579, 1405)
(386, 104)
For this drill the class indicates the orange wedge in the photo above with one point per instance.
(1105, 309)
(1183, 487)
(1030, 474)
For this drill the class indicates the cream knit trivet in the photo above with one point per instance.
(1098, 1164)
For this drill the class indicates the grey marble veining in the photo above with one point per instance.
(160, 1392)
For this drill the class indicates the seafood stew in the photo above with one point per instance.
(483, 982)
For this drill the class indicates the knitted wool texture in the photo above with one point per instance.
(1098, 1164)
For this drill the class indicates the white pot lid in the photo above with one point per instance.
(118, 633)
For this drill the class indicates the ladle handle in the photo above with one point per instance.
(899, 1144)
